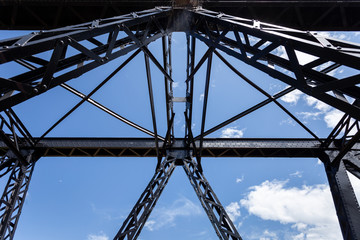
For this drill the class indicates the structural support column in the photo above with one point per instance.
(13, 198)
(221, 222)
(346, 204)
(136, 220)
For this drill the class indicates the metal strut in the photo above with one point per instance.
(13, 197)
(134, 223)
(221, 222)
(136, 220)
(346, 204)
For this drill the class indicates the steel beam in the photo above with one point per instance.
(136, 220)
(346, 205)
(329, 15)
(13, 197)
(58, 41)
(145, 147)
(306, 77)
(220, 220)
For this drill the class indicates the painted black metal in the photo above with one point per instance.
(13, 197)
(152, 107)
(136, 220)
(328, 50)
(86, 60)
(145, 147)
(346, 204)
(339, 152)
(221, 222)
(329, 15)
(20, 164)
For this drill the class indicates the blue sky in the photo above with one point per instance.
(88, 198)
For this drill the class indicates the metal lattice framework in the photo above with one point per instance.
(250, 41)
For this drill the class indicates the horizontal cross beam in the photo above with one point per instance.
(145, 147)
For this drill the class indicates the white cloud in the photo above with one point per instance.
(175, 84)
(106, 213)
(166, 216)
(311, 101)
(201, 98)
(232, 132)
(267, 235)
(233, 210)
(304, 58)
(292, 97)
(239, 180)
(296, 174)
(101, 236)
(288, 121)
(333, 117)
(310, 115)
(340, 36)
(355, 182)
(272, 200)
(281, 52)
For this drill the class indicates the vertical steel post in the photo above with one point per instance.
(346, 205)
(13, 198)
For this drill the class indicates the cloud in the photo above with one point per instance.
(272, 200)
(239, 180)
(166, 216)
(355, 182)
(232, 132)
(101, 236)
(311, 101)
(201, 98)
(288, 121)
(233, 210)
(310, 115)
(267, 235)
(175, 84)
(106, 213)
(333, 117)
(281, 52)
(292, 97)
(304, 58)
(296, 174)
(340, 36)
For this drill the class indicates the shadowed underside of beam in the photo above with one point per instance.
(300, 14)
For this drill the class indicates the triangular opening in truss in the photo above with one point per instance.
(178, 214)
(355, 182)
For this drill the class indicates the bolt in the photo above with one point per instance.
(5, 46)
(328, 45)
(36, 91)
(44, 86)
(17, 44)
(338, 47)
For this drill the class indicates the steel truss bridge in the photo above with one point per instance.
(339, 152)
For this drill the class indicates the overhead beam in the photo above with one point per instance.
(310, 15)
(212, 147)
